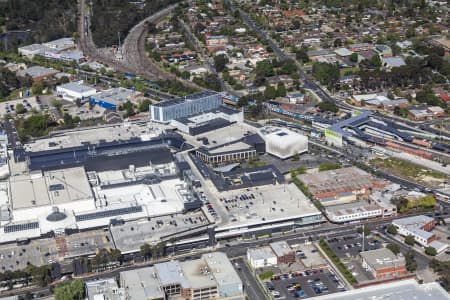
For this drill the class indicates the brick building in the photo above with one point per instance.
(283, 252)
(383, 264)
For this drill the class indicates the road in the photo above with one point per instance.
(201, 51)
(236, 250)
(308, 83)
(135, 59)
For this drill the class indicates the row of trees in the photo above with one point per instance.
(148, 251)
(31, 274)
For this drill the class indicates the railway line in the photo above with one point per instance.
(135, 59)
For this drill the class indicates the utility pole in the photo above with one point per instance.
(362, 249)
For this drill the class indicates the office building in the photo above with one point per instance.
(166, 111)
(75, 90)
(420, 227)
(261, 257)
(283, 251)
(383, 264)
(210, 277)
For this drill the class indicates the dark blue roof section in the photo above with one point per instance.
(324, 121)
(21, 227)
(227, 110)
(363, 119)
(75, 156)
(209, 126)
(108, 213)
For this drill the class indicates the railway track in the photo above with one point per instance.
(135, 59)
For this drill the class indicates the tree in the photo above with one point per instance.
(430, 251)
(364, 229)
(281, 90)
(394, 248)
(375, 61)
(69, 291)
(41, 275)
(128, 107)
(391, 229)
(302, 55)
(37, 88)
(151, 28)
(20, 109)
(146, 251)
(327, 74)
(144, 105)
(328, 106)
(270, 92)
(185, 75)
(410, 261)
(409, 240)
(354, 57)
(220, 61)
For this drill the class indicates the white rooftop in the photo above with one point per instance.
(397, 290)
(271, 203)
(260, 253)
(93, 135)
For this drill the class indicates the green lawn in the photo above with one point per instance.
(345, 70)
(406, 168)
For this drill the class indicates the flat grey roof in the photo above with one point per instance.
(170, 273)
(37, 71)
(126, 235)
(397, 290)
(52, 187)
(222, 269)
(261, 252)
(141, 284)
(115, 96)
(281, 248)
(76, 87)
(198, 274)
(382, 258)
(415, 221)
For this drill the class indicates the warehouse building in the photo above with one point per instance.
(75, 90)
(420, 227)
(113, 98)
(166, 111)
(341, 185)
(283, 143)
(284, 252)
(38, 73)
(383, 264)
